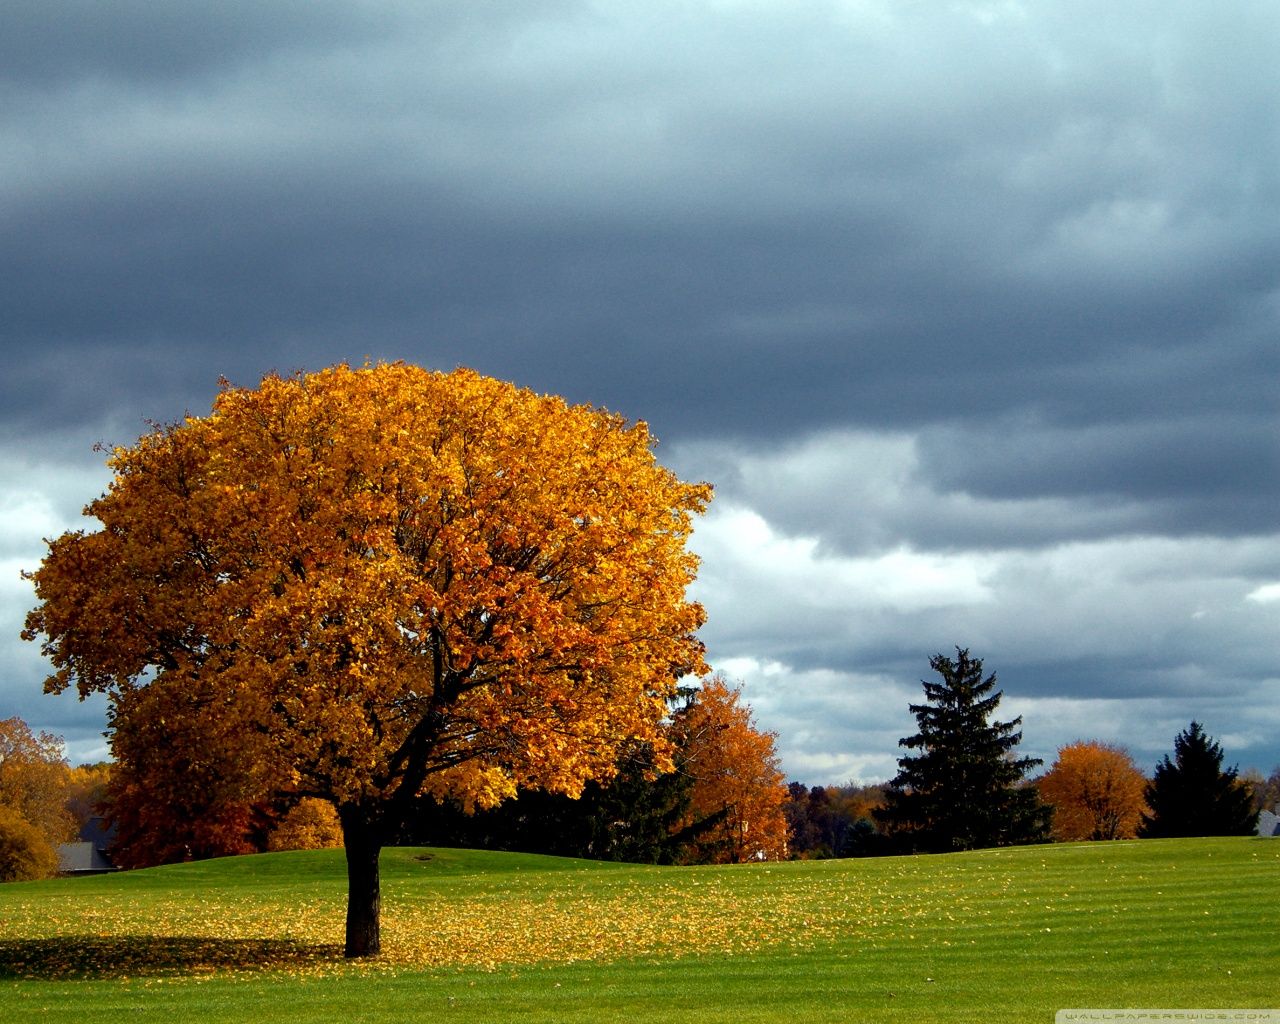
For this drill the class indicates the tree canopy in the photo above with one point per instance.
(964, 790)
(738, 787)
(834, 821)
(1193, 796)
(34, 781)
(369, 584)
(1096, 792)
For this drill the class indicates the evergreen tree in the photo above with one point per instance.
(1193, 796)
(965, 789)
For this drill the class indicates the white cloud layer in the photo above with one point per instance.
(1121, 638)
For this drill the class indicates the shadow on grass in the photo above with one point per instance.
(135, 956)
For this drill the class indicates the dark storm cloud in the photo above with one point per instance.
(1215, 473)
(46, 43)
(877, 223)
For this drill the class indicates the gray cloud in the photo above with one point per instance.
(910, 217)
(984, 292)
(1217, 472)
(45, 44)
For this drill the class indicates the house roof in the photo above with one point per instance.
(81, 858)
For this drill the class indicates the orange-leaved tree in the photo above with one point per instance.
(369, 584)
(310, 824)
(737, 783)
(1096, 792)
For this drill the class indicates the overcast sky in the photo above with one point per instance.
(968, 310)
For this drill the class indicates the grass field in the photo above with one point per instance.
(997, 935)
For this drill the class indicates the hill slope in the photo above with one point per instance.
(991, 935)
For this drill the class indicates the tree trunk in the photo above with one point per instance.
(363, 845)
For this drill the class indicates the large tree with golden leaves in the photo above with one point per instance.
(1096, 792)
(370, 584)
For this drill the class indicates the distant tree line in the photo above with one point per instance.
(720, 802)
(723, 802)
(960, 785)
(834, 821)
(964, 787)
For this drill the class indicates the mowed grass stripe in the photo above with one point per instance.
(1005, 932)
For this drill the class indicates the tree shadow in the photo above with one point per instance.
(137, 956)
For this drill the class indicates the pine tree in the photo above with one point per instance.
(1193, 796)
(965, 789)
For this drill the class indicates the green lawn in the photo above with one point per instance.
(997, 935)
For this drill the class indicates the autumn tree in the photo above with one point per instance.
(965, 789)
(736, 778)
(1193, 796)
(1096, 792)
(310, 824)
(87, 792)
(369, 584)
(176, 815)
(33, 788)
(1264, 790)
(187, 783)
(25, 853)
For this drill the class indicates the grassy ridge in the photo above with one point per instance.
(998, 935)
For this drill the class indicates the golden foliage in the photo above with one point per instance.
(735, 774)
(311, 824)
(87, 791)
(371, 583)
(1096, 792)
(25, 853)
(33, 780)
